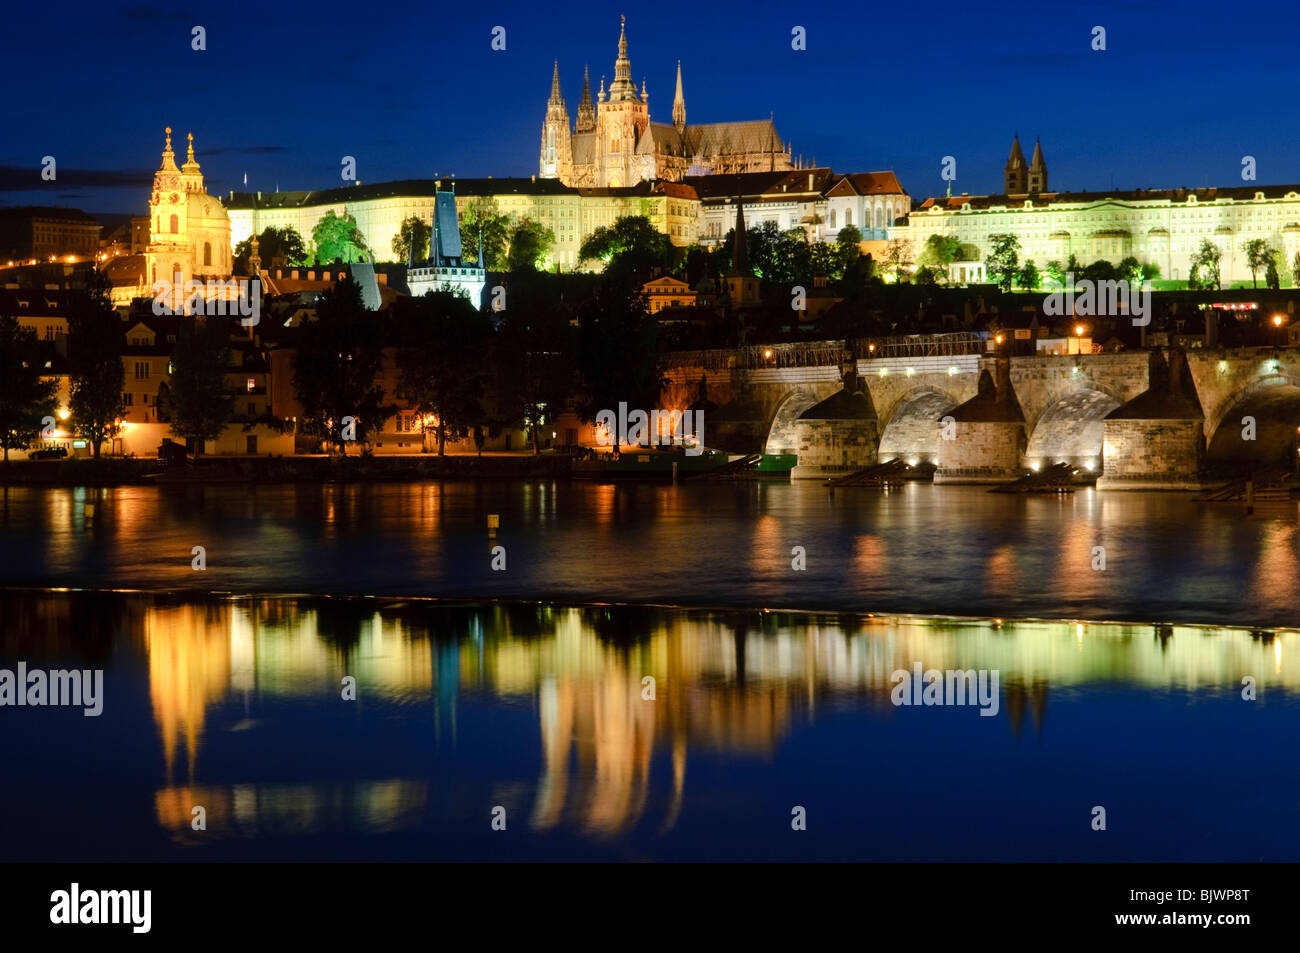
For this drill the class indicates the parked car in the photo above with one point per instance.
(48, 453)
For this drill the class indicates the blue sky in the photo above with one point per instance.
(284, 91)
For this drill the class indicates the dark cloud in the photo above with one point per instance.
(15, 178)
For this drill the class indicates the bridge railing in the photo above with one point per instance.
(829, 353)
(921, 345)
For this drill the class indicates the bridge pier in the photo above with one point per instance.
(839, 435)
(1157, 440)
(985, 441)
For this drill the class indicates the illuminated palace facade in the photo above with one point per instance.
(570, 213)
(1161, 226)
(615, 144)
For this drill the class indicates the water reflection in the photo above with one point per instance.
(245, 701)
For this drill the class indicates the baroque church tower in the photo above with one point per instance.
(1037, 169)
(189, 230)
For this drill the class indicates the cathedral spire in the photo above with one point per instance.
(168, 157)
(622, 89)
(586, 111)
(556, 98)
(679, 102)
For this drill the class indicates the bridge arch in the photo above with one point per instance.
(782, 436)
(1274, 402)
(1072, 429)
(913, 429)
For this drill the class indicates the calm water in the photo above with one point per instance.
(235, 705)
(233, 702)
(921, 549)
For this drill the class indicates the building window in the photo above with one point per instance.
(176, 225)
(848, 217)
(207, 253)
(832, 218)
(142, 370)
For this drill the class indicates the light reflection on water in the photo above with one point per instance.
(914, 549)
(235, 705)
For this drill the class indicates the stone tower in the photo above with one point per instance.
(556, 161)
(1037, 169)
(679, 103)
(620, 120)
(586, 109)
(1015, 175)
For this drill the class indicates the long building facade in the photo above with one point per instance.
(570, 213)
(1162, 226)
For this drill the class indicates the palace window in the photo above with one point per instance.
(176, 225)
(207, 253)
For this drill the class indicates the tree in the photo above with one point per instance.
(1272, 275)
(197, 401)
(273, 245)
(26, 398)
(1101, 270)
(1028, 276)
(939, 252)
(1258, 257)
(848, 250)
(530, 245)
(632, 248)
(1002, 263)
(1055, 273)
(337, 366)
(618, 355)
(441, 362)
(898, 255)
(483, 216)
(95, 373)
(337, 238)
(414, 231)
(534, 352)
(1204, 272)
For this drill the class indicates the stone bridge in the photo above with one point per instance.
(1142, 418)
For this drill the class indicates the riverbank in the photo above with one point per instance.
(313, 469)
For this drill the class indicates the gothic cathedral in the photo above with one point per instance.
(615, 144)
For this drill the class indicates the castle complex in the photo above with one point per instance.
(615, 144)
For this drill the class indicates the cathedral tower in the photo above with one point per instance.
(586, 109)
(679, 103)
(1015, 176)
(620, 121)
(1038, 169)
(556, 161)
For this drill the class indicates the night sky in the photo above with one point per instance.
(283, 91)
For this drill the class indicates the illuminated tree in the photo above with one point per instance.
(530, 245)
(483, 216)
(1028, 276)
(898, 255)
(632, 247)
(283, 245)
(337, 238)
(1003, 261)
(414, 231)
(1204, 272)
(1258, 257)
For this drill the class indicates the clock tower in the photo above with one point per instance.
(189, 230)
